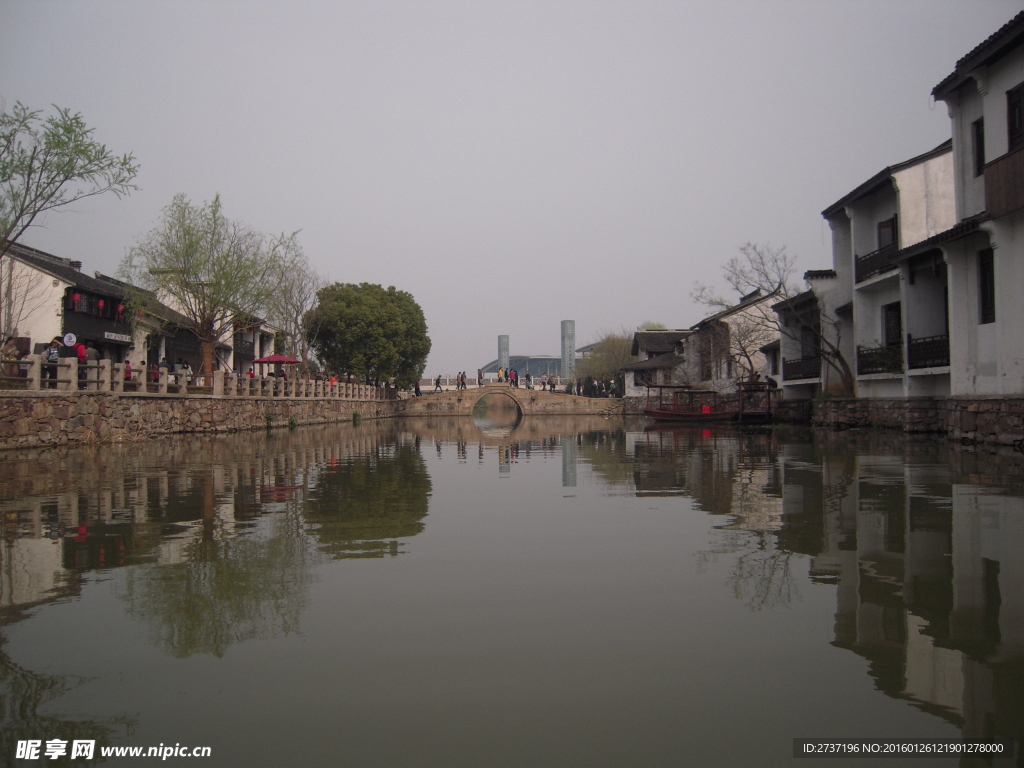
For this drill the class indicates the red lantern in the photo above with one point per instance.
(99, 308)
(75, 298)
(120, 312)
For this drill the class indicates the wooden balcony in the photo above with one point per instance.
(880, 359)
(244, 348)
(1004, 184)
(927, 352)
(875, 263)
(802, 368)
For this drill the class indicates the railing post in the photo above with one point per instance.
(103, 376)
(161, 385)
(72, 381)
(218, 383)
(34, 372)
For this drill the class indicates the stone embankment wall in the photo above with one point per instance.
(58, 418)
(977, 419)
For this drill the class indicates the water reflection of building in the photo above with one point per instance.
(923, 543)
(68, 511)
(928, 567)
(726, 472)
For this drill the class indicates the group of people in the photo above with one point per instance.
(509, 375)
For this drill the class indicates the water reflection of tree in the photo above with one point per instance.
(605, 452)
(225, 590)
(24, 693)
(358, 507)
(762, 577)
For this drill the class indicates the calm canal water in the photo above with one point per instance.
(576, 592)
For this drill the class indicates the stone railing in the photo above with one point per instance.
(31, 373)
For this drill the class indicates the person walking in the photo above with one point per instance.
(83, 358)
(51, 356)
(479, 377)
(437, 384)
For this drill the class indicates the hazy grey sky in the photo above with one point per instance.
(511, 164)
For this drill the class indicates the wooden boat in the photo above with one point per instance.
(752, 404)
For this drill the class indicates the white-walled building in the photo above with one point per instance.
(659, 362)
(928, 255)
(861, 304)
(716, 353)
(43, 296)
(983, 251)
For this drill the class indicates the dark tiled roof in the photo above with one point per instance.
(654, 363)
(994, 47)
(819, 274)
(656, 341)
(66, 270)
(747, 301)
(103, 285)
(964, 228)
(794, 301)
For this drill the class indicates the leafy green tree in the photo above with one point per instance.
(49, 163)
(358, 507)
(611, 353)
(369, 331)
(46, 163)
(207, 267)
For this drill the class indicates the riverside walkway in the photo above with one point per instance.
(106, 376)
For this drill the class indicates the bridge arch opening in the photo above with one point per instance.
(497, 412)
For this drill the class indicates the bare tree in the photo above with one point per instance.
(770, 270)
(23, 294)
(747, 334)
(297, 284)
(207, 267)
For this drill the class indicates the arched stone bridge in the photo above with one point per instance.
(531, 402)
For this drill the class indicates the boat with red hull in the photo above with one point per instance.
(752, 404)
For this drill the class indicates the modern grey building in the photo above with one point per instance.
(568, 348)
(503, 352)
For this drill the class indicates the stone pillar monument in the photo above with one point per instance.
(503, 352)
(568, 349)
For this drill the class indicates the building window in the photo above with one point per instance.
(892, 324)
(1015, 117)
(978, 134)
(886, 233)
(987, 286)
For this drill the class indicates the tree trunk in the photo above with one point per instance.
(207, 348)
